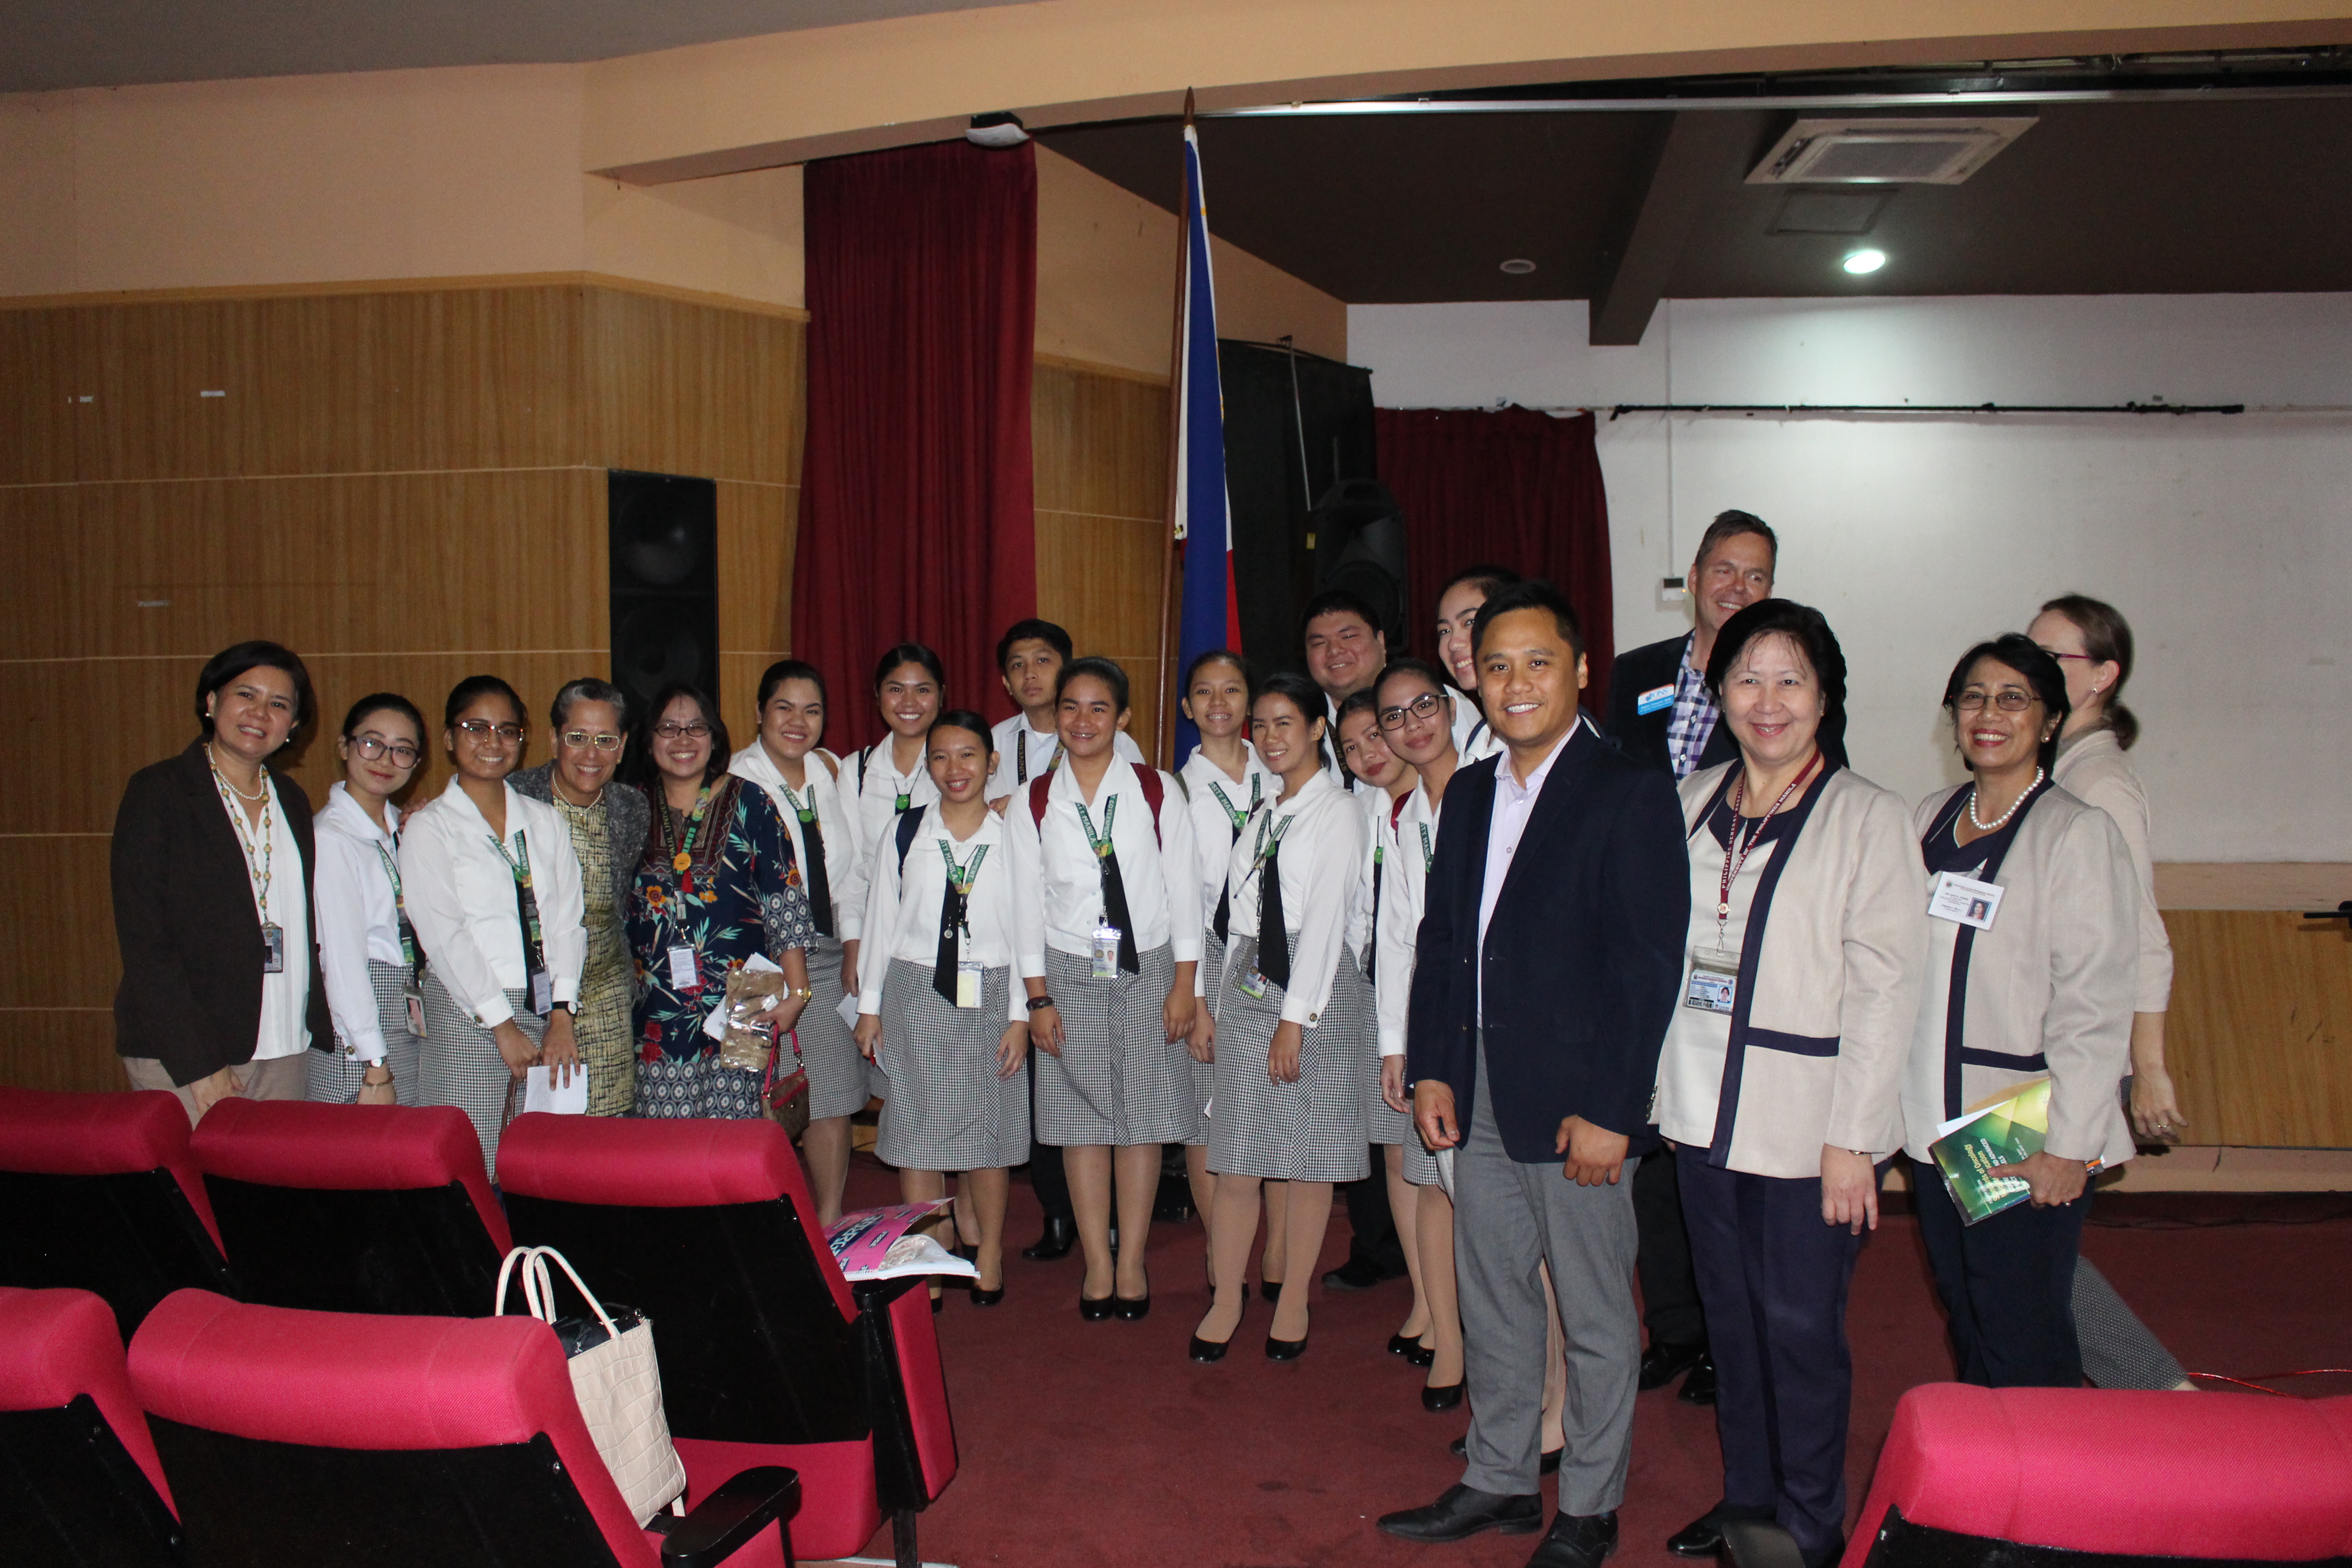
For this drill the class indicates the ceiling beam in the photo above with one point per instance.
(1700, 155)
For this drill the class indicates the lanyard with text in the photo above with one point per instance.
(1428, 850)
(684, 970)
(955, 976)
(412, 978)
(273, 939)
(1237, 816)
(1266, 846)
(1021, 757)
(1114, 936)
(1735, 853)
(539, 982)
(820, 886)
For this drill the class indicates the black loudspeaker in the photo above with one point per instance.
(665, 588)
(1359, 534)
(1295, 425)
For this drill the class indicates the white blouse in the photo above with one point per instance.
(1371, 883)
(902, 911)
(1155, 866)
(1324, 833)
(285, 1026)
(1690, 1063)
(1220, 808)
(461, 900)
(827, 796)
(1021, 754)
(359, 920)
(1404, 893)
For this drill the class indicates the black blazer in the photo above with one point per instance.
(1582, 957)
(191, 951)
(1643, 736)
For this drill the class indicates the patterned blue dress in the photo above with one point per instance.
(721, 884)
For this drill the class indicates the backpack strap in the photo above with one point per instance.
(1148, 778)
(1038, 787)
(910, 826)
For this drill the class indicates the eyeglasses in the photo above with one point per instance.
(374, 746)
(581, 739)
(1425, 706)
(671, 729)
(2009, 700)
(2085, 657)
(480, 729)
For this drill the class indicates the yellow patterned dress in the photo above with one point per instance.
(607, 981)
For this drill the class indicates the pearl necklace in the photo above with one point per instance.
(228, 783)
(1981, 826)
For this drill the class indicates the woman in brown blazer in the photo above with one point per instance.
(211, 871)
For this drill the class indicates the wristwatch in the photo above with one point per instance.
(801, 993)
(1038, 1002)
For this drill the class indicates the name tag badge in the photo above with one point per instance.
(543, 993)
(1253, 985)
(682, 974)
(411, 994)
(1714, 983)
(1655, 697)
(1965, 899)
(1105, 951)
(273, 950)
(968, 983)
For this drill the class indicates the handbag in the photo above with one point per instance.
(786, 1094)
(617, 1379)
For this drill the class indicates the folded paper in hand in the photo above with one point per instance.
(542, 1092)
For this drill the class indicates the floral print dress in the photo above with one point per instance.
(717, 883)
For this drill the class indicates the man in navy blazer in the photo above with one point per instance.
(1550, 951)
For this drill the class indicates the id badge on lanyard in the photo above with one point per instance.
(1253, 985)
(273, 949)
(1105, 951)
(1714, 983)
(968, 971)
(412, 976)
(683, 973)
(540, 986)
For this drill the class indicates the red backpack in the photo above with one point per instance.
(1148, 777)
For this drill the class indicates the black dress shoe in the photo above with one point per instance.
(1061, 1233)
(1661, 1364)
(1129, 1308)
(1423, 1355)
(1402, 1344)
(1202, 1350)
(1284, 1350)
(1698, 1388)
(1577, 1541)
(1357, 1274)
(1461, 1513)
(1702, 1536)
(1547, 1465)
(1271, 1289)
(1437, 1401)
(981, 1297)
(1092, 1310)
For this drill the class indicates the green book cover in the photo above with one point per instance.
(2001, 1134)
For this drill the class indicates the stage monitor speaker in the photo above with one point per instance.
(1358, 533)
(664, 533)
(1296, 425)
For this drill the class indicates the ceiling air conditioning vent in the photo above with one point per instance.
(1885, 151)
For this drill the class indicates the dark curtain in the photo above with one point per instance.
(918, 515)
(1512, 487)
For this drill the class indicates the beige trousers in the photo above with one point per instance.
(280, 1078)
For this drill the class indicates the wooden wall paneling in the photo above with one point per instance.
(2259, 1038)
(676, 387)
(40, 538)
(70, 1049)
(39, 384)
(1100, 443)
(756, 527)
(57, 946)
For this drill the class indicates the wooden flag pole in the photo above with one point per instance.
(1164, 741)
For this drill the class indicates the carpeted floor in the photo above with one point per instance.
(1088, 1444)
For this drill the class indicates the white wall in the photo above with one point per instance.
(2227, 541)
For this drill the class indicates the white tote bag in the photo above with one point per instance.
(616, 1378)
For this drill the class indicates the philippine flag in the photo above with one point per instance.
(1204, 515)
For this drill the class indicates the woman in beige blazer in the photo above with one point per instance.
(2035, 979)
(1779, 1086)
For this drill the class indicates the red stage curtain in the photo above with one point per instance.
(1512, 487)
(918, 515)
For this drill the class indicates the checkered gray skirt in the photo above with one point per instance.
(336, 1074)
(460, 1064)
(1205, 1074)
(1310, 1130)
(1118, 1080)
(836, 1071)
(1381, 1125)
(943, 1106)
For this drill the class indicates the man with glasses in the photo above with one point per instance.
(585, 726)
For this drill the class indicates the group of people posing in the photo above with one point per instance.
(1432, 923)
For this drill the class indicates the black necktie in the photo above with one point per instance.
(1372, 943)
(819, 887)
(1273, 935)
(1225, 895)
(953, 908)
(1115, 911)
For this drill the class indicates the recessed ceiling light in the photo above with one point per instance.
(1519, 267)
(1860, 261)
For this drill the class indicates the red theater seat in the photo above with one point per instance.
(767, 1354)
(354, 1208)
(102, 1195)
(2012, 1475)
(79, 1482)
(327, 1437)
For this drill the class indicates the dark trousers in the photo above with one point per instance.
(1373, 1228)
(2008, 1285)
(1670, 1293)
(1774, 1280)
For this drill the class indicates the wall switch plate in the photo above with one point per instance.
(1670, 591)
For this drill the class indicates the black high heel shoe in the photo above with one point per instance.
(1284, 1350)
(1272, 1291)
(1128, 1309)
(1402, 1344)
(1436, 1400)
(981, 1297)
(1091, 1310)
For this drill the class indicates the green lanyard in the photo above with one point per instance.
(1225, 800)
(1100, 846)
(962, 877)
(682, 861)
(1266, 847)
(1020, 756)
(1427, 853)
(807, 813)
(400, 909)
(534, 946)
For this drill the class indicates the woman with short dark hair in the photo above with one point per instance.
(367, 946)
(716, 886)
(211, 868)
(493, 887)
(2033, 950)
(587, 725)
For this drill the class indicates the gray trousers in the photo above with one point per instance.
(1509, 1220)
